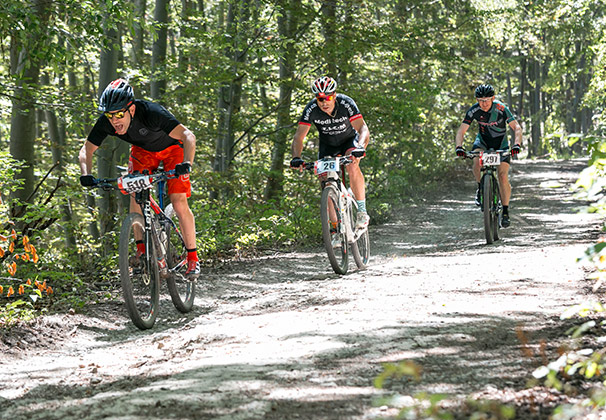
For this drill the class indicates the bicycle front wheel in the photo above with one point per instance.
(335, 240)
(139, 273)
(497, 210)
(487, 207)
(182, 291)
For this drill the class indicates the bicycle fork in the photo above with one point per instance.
(346, 204)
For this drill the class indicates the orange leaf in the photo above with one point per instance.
(10, 291)
(25, 240)
(35, 259)
(29, 282)
(11, 247)
(1, 253)
(13, 234)
(3, 238)
(17, 256)
(1, 289)
(27, 247)
(44, 285)
(26, 257)
(21, 289)
(12, 268)
(49, 290)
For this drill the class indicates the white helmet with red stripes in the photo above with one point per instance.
(324, 85)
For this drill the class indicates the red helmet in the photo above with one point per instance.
(324, 84)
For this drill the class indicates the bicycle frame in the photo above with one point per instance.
(489, 184)
(165, 221)
(162, 238)
(346, 198)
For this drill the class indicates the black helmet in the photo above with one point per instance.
(117, 95)
(484, 91)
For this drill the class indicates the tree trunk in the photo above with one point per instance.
(137, 51)
(329, 22)
(510, 105)
(535, 143)
(523, 83)
(25, 69)
(57, 141)
(230, 94)
(106, 162)
(287, 22)
(158, 84)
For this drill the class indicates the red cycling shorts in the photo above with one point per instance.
(141, 159)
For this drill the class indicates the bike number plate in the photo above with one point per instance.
(491, 159)
(326, 165)
(131, 184)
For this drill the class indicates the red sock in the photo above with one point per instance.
(141, 247)
(192, 255)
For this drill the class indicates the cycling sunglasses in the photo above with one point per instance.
(328, 97)
(117, 114)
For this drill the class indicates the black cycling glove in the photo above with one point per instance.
(515, 150)
(88, 180)
(460, 150)
(358, 152)
(182, 168)
(296, 162)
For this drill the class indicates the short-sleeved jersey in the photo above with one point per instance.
(336, 130)
(492, 125)
(148, 129)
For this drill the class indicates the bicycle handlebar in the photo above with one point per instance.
(108, 184)
(343, 161)
(474, 153)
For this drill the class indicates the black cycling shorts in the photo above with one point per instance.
(331, 151)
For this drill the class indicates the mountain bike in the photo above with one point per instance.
(151, 247)
(490, 197)
(338, 211)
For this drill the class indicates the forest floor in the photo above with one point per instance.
(282, 337)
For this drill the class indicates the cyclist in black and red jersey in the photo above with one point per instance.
(156, 136)
(493, 117)
(341, 130)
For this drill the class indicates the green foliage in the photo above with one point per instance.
(430, 406)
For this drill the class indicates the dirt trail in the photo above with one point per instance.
(281, 337)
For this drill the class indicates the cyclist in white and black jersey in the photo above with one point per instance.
(341, 130)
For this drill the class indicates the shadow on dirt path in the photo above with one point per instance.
(281, 337)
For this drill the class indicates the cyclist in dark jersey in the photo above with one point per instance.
(341, 130)
(493, 117)
(156, 136)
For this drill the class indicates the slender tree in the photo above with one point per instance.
(27, 48)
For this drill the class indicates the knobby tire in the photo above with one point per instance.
(138, 274)
(487, 204)
(182, 291)
(338, 257)
(497, 211)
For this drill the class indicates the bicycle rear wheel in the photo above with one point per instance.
(182, 291)
(337, 249)
(487, 206)
(360, 249)
(139, 273)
